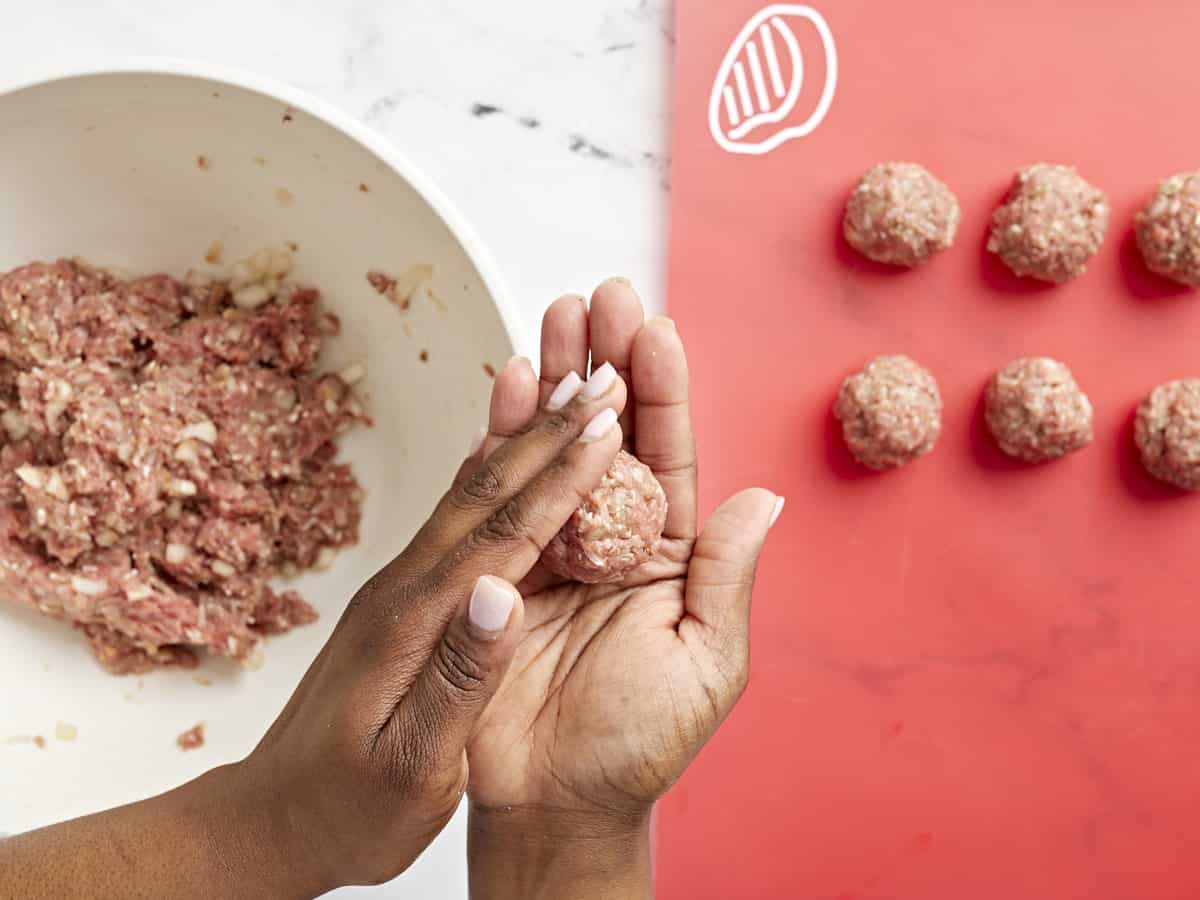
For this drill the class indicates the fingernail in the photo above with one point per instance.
(477, 441)
(565, 392)
(491, 605)
(602, 379)
(665, 320)
(518, 360)
(620, 279)
(602, 423)
(775, 512)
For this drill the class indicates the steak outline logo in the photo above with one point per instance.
(734, 91)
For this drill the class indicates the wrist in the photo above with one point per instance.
(536, 852)
(248, 835)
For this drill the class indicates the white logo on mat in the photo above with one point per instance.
(745, 98)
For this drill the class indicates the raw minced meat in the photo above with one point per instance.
(616, 528)
(167, 448)
(900, 214)
(1168, 229)
(1167, 433)
(1036, 411)
(891, 412)
(1050, 225)
(191, 739)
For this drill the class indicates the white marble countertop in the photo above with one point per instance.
(545, 122)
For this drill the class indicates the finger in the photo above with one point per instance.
(511, 541)
(720, 577)
(514, 403)
(491, 484)
(564, 342)
(615, 317)
(663, 425)
(462, 673)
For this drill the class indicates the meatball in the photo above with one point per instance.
(616, 528)
(891, 412)
(1167, 432)
(1051, 223)
(1036, 411)
(900, 214)
(1168, 229)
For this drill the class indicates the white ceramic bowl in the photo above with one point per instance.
(104, 164)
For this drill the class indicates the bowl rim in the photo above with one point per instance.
(325, 111)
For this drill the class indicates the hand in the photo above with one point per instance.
(614, 687)
(366, 763)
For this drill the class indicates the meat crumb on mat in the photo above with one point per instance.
(891, 412)
(191, 739)
(618, 526)
(1036, 411)
(166, 449)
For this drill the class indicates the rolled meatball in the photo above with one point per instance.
(1050, 225)
(1167, 432)
(891, 412)
(617, 527)
(1036, 411)
(900, 214)
(1168, 229)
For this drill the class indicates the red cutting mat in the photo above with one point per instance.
(971, 679)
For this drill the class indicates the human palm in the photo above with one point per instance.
(615, 687)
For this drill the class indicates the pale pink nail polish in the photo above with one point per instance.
(775, 512)
(490, 607)
(602, 379)
(602, 423)
(565, 392)
(477, 441)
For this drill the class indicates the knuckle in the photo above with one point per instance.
(504, 525)
(459, 670)
(674, 463)
(559, 425)
(484, 486)
(512, 524)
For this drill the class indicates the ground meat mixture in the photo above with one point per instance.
(1168, 229)
(616, 529)
(1036, 411)
(891, 412)
(1050, 225)
(166, 449)
(191, 739)
(900, 214)
(1167, 432)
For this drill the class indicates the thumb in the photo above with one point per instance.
(721, 573)
(465, 669)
